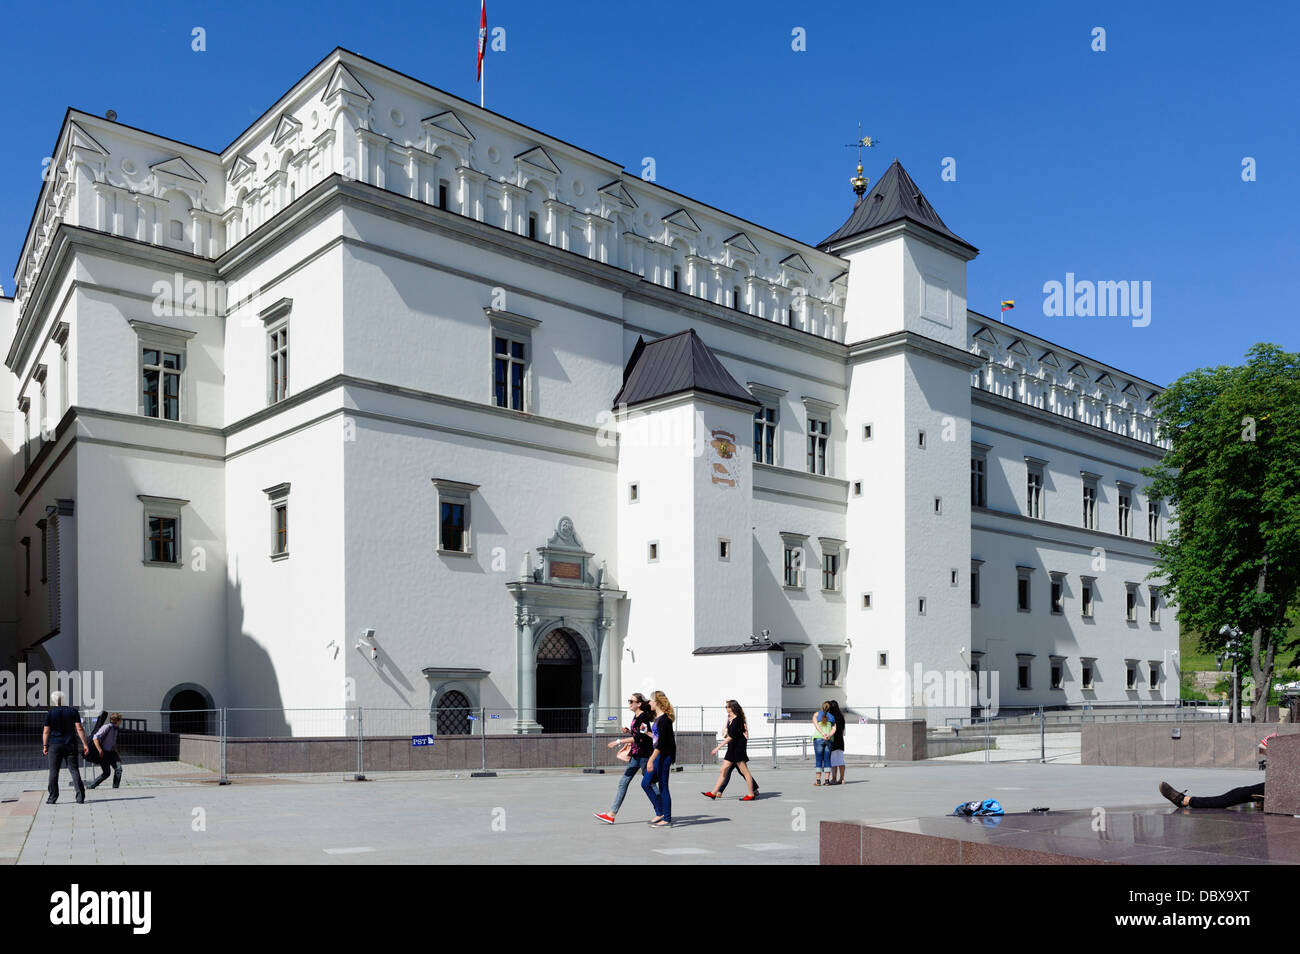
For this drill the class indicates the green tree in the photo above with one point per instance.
(1232, 480)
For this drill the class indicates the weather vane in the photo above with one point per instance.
(860, 182)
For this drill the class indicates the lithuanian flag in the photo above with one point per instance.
(1008, 305)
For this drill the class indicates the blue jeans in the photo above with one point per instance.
(634, 765)
(822, 749)
(660, 799)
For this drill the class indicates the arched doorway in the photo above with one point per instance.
(187, 713)
(559, 683)
(453, 714)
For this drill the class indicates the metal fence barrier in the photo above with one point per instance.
(356, 740)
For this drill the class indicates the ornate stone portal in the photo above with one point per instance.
(563, 592)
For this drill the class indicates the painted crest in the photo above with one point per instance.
(722, 458)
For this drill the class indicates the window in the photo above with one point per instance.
(1090, 501)
(442, 193)
(1034, 488)
(1023, 588)
(1058, 673)
(511, 350)
(279, 498)
(831, 550)
(735, 297)
(1125, 510)
(978, 482)
(162, 530)
(819, 431)
(920, 606)
(952, 577)
(1086, 667)
(857, 488)
(794, 669)
(1024, 663)
(677, 278)
(652, 552)
(1153, 519)
(830, 671)
(633, 492)
(277, 345)
(866, 601)
(532, 225)
(43, 424)
(162, 365)
(1058, 594)
(1153, 675)
(1131, 602)
(1153, 601)
(866, 432)
(41, 525)
(1085, 596)
(454, 516)
(920, 439)
(724, 549)
(882, 660)
(25, 405)
(975, 582)
(765, 423)
(1131, 675)
(65, 391)
(794, 559)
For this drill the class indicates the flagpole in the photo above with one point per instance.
(482, 78)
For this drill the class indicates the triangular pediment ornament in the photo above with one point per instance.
(682, 219)
(538, 158)
(177, 166)
(1152, 396)
(1132, 389)
(1048, 358)
(342, 81)
(286, 127)
(448, 121)
(986, 336)
(616, 191)
(1018, 347)
(741, 241)
(241, 167)
(1078, 370)
(78, 138)
(796, 262)
(1104, 380)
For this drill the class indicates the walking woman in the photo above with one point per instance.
(823, 732)
(664, 751)
(638, 751)
(837, 744)
(736, 757)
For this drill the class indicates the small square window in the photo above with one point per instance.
(938, 505)
(952, 577)
(633, 492)
(866, 601)
(866, 432)
(724, 549)
(653, 552)
(857, 488)
(162, 530)
(920, 606)
(882, 660)
(920, 439)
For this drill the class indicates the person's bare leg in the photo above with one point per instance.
(749, 779)
(722, 774)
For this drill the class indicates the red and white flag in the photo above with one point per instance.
(482, 39)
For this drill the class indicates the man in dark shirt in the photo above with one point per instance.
(61, 722)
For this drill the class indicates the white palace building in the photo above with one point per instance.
(395, 402)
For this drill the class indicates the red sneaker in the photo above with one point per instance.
(709, 794)
(606, 817)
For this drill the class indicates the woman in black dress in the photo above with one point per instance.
(736, 755)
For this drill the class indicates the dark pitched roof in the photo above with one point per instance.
(737, 648)
(895, 197)
(675, 364)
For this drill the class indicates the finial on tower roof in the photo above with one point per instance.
(860, 182)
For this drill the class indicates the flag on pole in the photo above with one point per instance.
(1008, 305)
(482, 40)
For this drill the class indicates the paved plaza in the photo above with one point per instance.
(183, 817)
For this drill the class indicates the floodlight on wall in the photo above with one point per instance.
(367, 642)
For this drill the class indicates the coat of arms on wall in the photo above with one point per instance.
(722, 458)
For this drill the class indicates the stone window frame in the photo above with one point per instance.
(455, 492)
(979, 453)
(1035, 466)
(1131, 612)
(771, 399)
(1057, 672)
(833, 548)
(1123, 512)
(1087, 596)
(275, 320)
(724, 550)
(278, 496)
(1153, 595)
(1091, 505)
(796, 657)
(150, 336)
(168, 508)
(831, 653)
(976, 565)
(797, 544)
(1024, 574)
(517, 328)
(1155, 669)
(1057, 607)
(1088, 673)
(1027, 661)
(1131, 681)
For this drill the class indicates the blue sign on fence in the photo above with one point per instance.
(494, 716)
(422, 740)
(473, 718)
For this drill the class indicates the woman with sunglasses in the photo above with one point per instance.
(638, 745)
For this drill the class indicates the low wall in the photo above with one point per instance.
(395, 753)
(1201, 744)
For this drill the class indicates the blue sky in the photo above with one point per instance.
(1117, 165)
